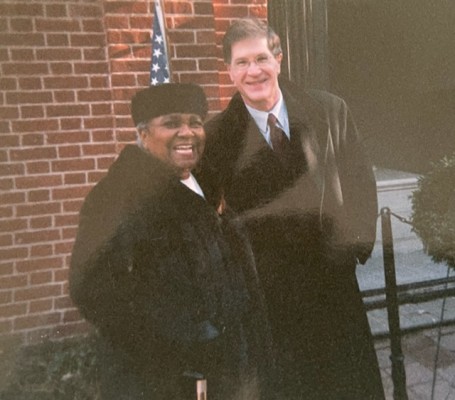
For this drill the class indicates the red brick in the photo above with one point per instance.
(92, 25)
(13, 253)
(69, 124)
(85, 10)
(24, 97)
(38, 236)
(6, 212)
(83, 164)
(38, 167)
(99, 122)
(64, 96)
(66, 82)
(140, 22)
(38, 195)
(6, 240)
(11, 169)
(41, 222)
(13, 310)
(125, 7)
(67, 110)
(195, 51)
(6, 268)
(61, 68)
(74, 179)
(63, 303)
(58, 53)
(29, 322)
(56, 10)
(64, 248)
(38, 209)
(130, 65)
(32, 139)
(71, 151)
(8, 84)
(199, 78)
(119, 51)
(6, 184)
(99, 82)
(57, 25)
(87, 40)
(96, 149)
(22, 39)
(36, 265)
(57, 39)
(125, 136)
(67, 137)
(192, 22)
(71, 316)
(71, 206)
(62, 275)
(30, 112)
(69, 233)
(103, 136)
(91, 68)
(5, 297)
(204, 8)
(10, 140)
(38, 181)
(119, 21)
(43, 250)
(96, 54)
(94, 177)
(104, 162)
(39, 306)
(71, 193)
(40, 277)
(180, 36)
(33, 153)
(94, 95)
(12, 225)
(45, 125)
(26, 55)
(101, 109)
(13, 282)
(67, 219)
(24, 8)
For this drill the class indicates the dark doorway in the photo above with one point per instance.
(393, 61)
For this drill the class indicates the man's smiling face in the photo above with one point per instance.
(254, 71)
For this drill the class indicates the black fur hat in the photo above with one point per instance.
(168, 98)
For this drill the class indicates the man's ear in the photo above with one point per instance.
(229, 70)
(279, 58)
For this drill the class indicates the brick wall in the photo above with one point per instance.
(67, 72)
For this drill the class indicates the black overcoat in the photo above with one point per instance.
(170, 285)
(311, 216)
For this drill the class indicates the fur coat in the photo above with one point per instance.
(170, 285)
(311, 216)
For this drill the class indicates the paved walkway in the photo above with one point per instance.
(430, 373)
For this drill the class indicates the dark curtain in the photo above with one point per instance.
(302, 27)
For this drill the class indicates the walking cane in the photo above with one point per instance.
(201, 389)
(198, 382)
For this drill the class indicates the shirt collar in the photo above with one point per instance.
(279, 110)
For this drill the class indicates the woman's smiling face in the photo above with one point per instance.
(176, 139)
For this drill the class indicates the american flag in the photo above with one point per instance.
(159, 67)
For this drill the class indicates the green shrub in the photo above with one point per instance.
(63, 370)
(433, 210)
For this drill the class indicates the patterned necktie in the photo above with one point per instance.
(277, 136)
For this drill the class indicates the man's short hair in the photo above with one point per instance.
(248, 28)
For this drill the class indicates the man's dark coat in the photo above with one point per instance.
(170, 285)
(311, 215)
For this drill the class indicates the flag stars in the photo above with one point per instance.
(157, 53)
(159, 39)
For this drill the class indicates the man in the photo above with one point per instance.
(168, 282)
(304, 186)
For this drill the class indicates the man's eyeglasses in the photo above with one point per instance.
(242, 64)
